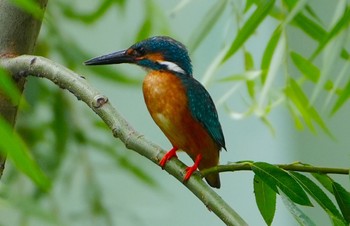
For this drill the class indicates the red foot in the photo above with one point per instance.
(191, 169)
(167, 156)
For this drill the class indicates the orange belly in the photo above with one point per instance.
(167, 103)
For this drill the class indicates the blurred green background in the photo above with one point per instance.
(96, 181)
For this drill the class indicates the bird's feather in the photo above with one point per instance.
(203, 109)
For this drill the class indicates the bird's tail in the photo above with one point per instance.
(213, 180)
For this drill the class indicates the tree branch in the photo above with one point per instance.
(19, 31)
(78, 86)
(290, 167)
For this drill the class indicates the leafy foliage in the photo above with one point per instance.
(265, 199)
(270, 180)
(278, 178)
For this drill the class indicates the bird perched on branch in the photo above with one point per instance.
(177, 102)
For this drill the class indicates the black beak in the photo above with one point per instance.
(112, 58)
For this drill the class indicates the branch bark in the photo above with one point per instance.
(78, 86)
(18, 34)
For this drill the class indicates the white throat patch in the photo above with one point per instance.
(172, 66)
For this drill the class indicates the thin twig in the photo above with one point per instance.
(290, 167)
(78, 86)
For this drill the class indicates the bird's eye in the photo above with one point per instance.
(139, 52)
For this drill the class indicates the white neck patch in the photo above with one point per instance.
(172, 66)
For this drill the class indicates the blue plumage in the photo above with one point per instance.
(172, 50)
(203, 109)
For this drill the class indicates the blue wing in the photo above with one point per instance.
(203, 109)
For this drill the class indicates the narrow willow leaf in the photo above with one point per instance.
(312, 13)
(249, 65)
(62, 130)
(333, 87)
(343, 97)
(8, 87)
(300, 104)
(274, 176)
(13, 146)
(297, 7)
(309, 113)
(306, 67)
(343, 199)
(325, 180)
(267, 122)
(249, 27)
(297, 121)
(272, 75)
(269, 51)
(319, 196)
(248, 61)
(310, 27)
(145, 29)
(265, 199)
(299, 215)
(341, 24)
(205, 27)
(248, 4)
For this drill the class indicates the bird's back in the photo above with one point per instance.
(184, 111)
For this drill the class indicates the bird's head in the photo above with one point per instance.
(156, 53)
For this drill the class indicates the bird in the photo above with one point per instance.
(179, 104)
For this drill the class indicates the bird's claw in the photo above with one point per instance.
(167, 156)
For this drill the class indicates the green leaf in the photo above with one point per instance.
(145, 29)
(297, 121)
(206, 26)
(343, 97)
(341, 24)
(13, 146)
(301, 102)
(343, 199)
(299, 215)
(147, 25)
(320, 197)
(250, 26)
(249, 65)
(265, 199)
(306, 67)
(344, 54)
(248, 61)
(62, 128)
(295, 9)
(269, 51)
(8, 87)
(310, 27)
(325, 180)
(274, 176)
(312, 13)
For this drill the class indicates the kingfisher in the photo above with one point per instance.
(180, 105)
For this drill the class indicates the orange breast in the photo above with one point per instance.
(167, 103)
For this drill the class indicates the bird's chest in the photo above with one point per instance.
(166, 100)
